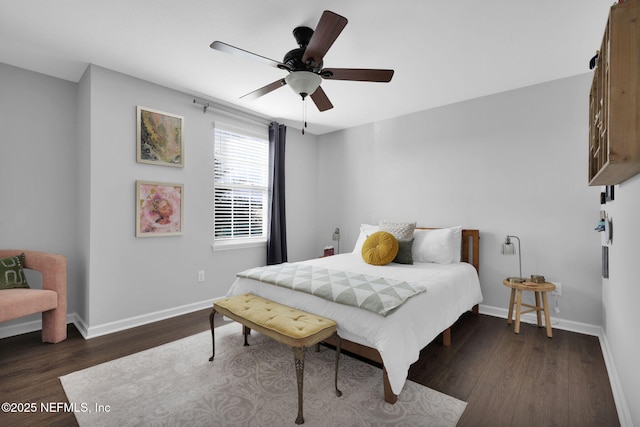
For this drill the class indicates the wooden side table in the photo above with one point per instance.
(516, 297)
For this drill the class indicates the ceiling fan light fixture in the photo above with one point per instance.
(303, 82)
(305, 63)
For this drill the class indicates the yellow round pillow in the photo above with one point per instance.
(380, 248)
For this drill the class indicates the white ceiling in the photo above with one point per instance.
(442, 51)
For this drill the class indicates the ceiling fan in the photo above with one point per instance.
(304, 64)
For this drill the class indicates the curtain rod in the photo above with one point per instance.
(229, 112)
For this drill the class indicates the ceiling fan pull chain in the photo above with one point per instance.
(304, 114)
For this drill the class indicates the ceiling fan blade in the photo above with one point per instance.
(236, 51)
(327, 31)
(321, 100)
(264, 90)
(357, 74)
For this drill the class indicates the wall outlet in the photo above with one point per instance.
(558, 291)
(201, 276)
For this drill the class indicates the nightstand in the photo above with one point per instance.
(539, 289)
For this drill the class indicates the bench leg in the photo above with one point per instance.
(298, 355)
(213, 340)
(246, 331)
(339, 342)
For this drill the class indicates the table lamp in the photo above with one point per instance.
(508, 248)
(336, 237)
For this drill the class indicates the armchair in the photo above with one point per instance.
(51, 300)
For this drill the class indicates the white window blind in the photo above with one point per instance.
(241, 185)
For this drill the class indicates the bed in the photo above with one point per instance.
(393, 340)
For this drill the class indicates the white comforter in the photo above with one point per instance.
(452, 289)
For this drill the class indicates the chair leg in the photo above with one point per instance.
(54, 325)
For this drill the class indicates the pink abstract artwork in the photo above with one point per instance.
(159, 209)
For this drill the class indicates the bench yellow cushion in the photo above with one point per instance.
(284, 324)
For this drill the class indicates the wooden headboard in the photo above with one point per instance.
(470, 246)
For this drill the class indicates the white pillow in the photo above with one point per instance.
(441, 246)
(365, 231)
(401, 230)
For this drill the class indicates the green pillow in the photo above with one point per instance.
(11, 273)
(404, 251)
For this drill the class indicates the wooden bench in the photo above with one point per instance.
(295, 328)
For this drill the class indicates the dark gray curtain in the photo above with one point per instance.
(277, 233)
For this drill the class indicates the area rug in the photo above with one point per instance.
(176, 385)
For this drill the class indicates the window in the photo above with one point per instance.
(241, 162)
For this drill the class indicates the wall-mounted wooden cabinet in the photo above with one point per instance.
(614, 100)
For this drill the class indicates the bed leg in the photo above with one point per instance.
(389, 397)
(446, 337)
(475, 309)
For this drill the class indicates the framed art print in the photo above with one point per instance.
(159, 209)
(159, 138)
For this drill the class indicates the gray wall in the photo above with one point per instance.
(511, 163)
(38, 195)
(131, 276)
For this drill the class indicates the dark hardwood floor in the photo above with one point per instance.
(507, 379)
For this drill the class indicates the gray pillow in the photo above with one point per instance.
(404, 252)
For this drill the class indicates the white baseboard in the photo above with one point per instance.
(89, 332)
(30, 326)
(624, 415)
(557, 323)
(21, 328)
(120, 325)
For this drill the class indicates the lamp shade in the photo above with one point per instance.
(509, 248)
(303, 82)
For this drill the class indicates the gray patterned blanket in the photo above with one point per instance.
(377, 294)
